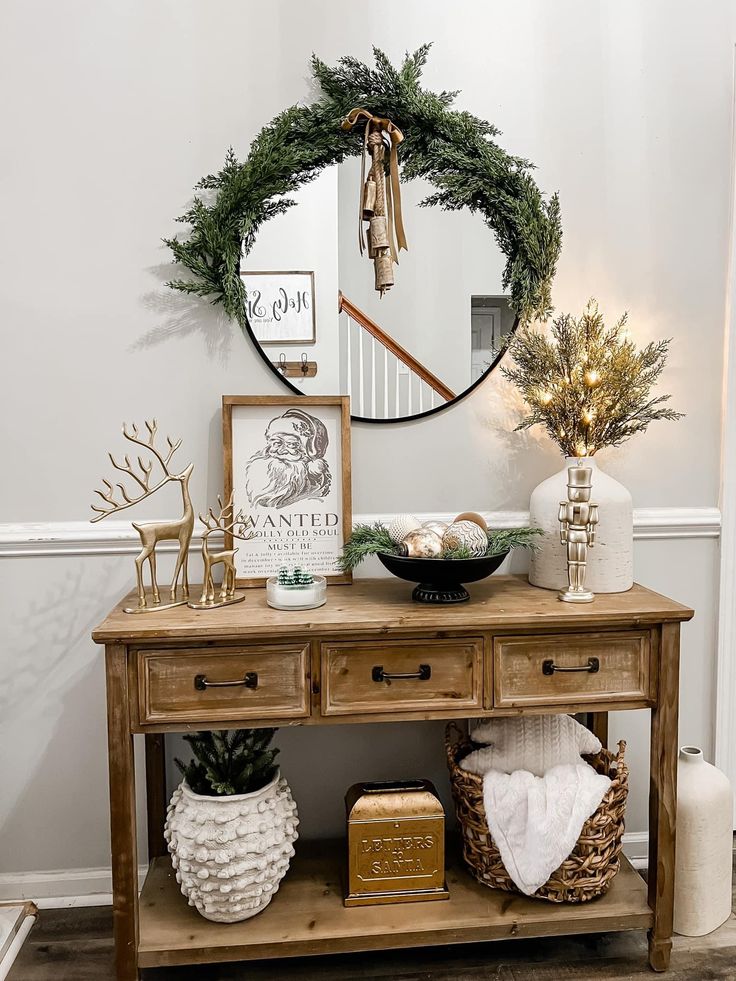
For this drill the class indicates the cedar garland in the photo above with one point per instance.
(453, 150)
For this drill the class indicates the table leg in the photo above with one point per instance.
(156, 798)
(663, 798)
(122, 816)
(598, 724)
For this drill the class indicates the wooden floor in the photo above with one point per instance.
(76, 945)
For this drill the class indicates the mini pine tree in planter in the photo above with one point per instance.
(232, 762)
(231, 824)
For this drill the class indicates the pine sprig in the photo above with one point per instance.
(229, 762)
(508, 538)
(453, 150)
(587, 384)
(366, 540)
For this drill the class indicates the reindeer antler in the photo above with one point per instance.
(224, 523)
(141, 475)
(148, 444)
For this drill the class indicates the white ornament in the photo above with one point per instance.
(610, 564)
(438, 527)
(401, 525)
(231, 853)
(467, 535)
(422, 543)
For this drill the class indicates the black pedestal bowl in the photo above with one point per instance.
(441, 580)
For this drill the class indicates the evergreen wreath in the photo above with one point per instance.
(453, 150)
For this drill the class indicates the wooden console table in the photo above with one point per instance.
(486, 657)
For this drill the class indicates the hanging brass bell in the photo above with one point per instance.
(384, 269)
(369, 199)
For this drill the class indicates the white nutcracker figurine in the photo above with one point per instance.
(578, 518)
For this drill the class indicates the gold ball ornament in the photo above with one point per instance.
(401, 525)
(466, 535)
(421, 543)
(473, 516)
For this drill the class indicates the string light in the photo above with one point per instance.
(592, 378)
(588, 415)
(545, 397)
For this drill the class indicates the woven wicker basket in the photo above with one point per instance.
(586, 873)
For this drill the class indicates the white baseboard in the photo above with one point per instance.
(62, 887)
(19, 539)
(67, 888)
(636, 848)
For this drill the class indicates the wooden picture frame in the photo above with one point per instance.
(301, 511)
(303, 330)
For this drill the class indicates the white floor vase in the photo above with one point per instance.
(610, 567)
(704, 845)
(231, 853)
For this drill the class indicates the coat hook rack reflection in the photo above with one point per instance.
(295, 369)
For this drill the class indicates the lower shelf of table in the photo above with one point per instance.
(307, 915)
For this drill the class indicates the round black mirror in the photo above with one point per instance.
(292, 279)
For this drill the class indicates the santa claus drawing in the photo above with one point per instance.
(292, 466)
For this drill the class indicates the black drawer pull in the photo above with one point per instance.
(423, 674)
(249, 681)
(592, 667)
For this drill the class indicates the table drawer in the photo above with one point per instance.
(374, 677)
(571, 668)
(226, 683)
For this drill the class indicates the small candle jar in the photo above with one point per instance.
(296, 597)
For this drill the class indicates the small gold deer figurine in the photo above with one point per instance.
(151, 533)
(235, 526)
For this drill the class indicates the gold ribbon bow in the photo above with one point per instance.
(375, 128)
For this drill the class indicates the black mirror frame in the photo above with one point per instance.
(451, 149)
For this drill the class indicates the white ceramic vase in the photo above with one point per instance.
(704, 845)
(610, 567)
(231, 853)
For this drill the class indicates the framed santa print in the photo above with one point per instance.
(287, 466)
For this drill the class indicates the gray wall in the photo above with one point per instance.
(113, 111)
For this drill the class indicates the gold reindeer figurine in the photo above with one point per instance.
(234, 526)
(151, 533)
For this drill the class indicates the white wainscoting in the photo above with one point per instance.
(31, 538)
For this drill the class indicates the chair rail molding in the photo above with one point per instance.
(725, 731)
(43, 538)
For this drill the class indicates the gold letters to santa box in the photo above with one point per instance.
(396, 843)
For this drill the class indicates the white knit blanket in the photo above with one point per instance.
(536, 821)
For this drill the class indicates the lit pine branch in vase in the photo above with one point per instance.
(588, 384)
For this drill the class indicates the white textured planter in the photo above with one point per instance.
(231, 853)
(703, 850)
(610, 566)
